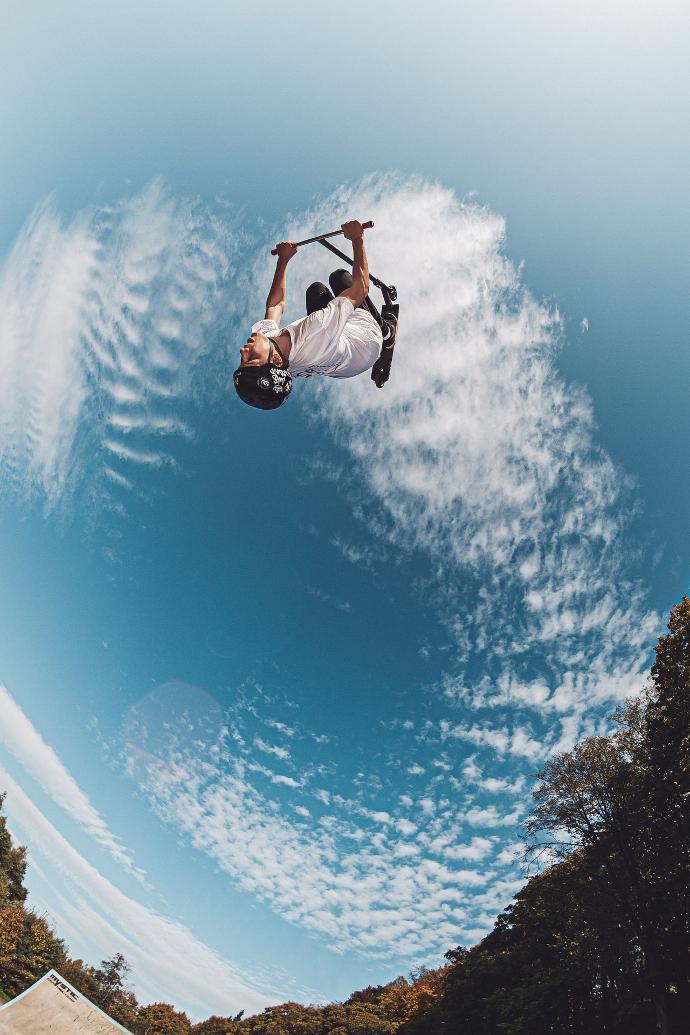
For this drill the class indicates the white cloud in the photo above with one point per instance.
(478, 848)
(165, 956)
(496, 785)
(498, 739)
(363, 878)
(23, 740)
(525, 746)
(510, 853)
(281, 727)
(491, 817)
(102, 321)
(476, 453)
(355, 555)
(277, 778)
(272, 749)
(484, 457)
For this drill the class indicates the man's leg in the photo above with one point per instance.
(318, 297)
(340, 280)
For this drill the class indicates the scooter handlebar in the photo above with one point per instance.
(321, 237)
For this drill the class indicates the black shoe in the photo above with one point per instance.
(318, 296)
(340, 280)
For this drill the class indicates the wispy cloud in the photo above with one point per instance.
(479, 454)
(22, 739)
(103, 319)
(481, 458)
(387, 882)
(165, 955)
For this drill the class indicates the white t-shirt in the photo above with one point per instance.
(338, 341)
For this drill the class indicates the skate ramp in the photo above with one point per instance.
(52, 1006)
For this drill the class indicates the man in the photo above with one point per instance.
(338, 337)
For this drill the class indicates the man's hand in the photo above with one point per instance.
(285, 250)
(353, 230)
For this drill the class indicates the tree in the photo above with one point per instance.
(593, 797)
(12, 865)
(402, 999)
(110, 980)
(624, 801)
(29, 948)
(109, 991)
(665, 755)
(217, 1025)
(161, 1019)
(11, 928)
(80, 975)
(598, 941)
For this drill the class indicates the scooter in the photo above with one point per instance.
(387, 319)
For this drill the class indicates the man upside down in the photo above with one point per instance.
(339, 336)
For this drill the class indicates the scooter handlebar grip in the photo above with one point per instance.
(365, 226)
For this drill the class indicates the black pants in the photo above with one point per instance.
(318, 295)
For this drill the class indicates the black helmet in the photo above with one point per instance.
(266, 387)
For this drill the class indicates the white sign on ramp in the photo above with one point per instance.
(52, 1006)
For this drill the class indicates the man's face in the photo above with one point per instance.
(255, 353)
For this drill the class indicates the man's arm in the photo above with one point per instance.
(275, 303)
(354, 232)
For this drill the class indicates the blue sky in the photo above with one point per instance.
(275, 685)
